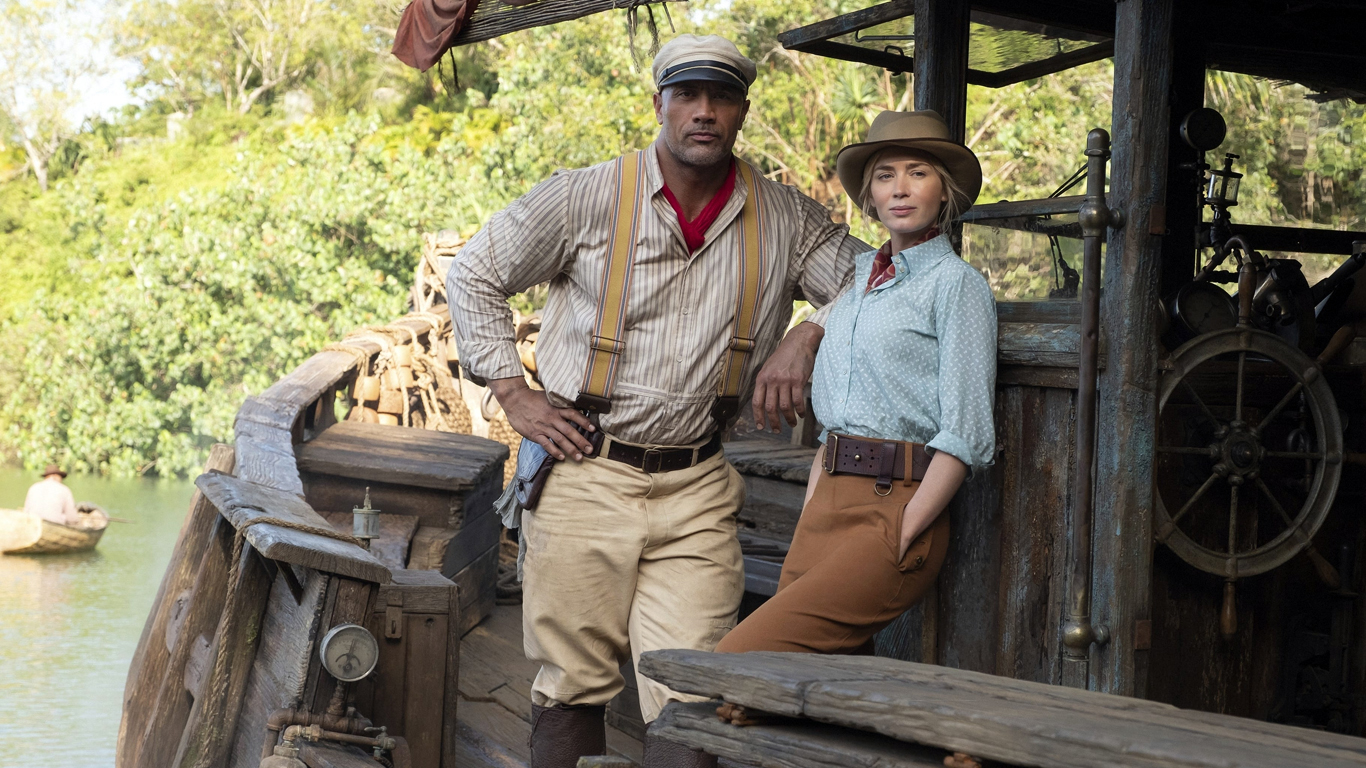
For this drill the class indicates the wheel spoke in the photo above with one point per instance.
(1274, 412)
(1191, 502)
(1238, 408)
(1205, 408)
(1307, 455)
(1187, 451)
(1275, 504)
(1233, 519)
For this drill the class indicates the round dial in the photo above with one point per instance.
(349, 652)
(1205, 307)
(1203, 129)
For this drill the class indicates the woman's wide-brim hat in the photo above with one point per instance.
(53, 469)
(924, 131)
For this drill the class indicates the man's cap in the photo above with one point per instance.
(53, 469)
(690, 57)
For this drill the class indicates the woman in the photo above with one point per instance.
(903, 383)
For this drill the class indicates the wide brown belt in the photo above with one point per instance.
(654, 460)
(884, 459)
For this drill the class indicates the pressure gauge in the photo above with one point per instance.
(349, 652)
(1203, 307)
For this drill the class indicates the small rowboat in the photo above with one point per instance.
(24, 534)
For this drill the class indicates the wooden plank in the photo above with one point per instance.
(153, 653)
(941, 60)
(965, 626)
(772, 507)
(278, 675)
(1035, 376)
(315, 377)
(169, 707)
(425, 637)
(1034, 426)
(451, 684)
(477, 578)
(432, 507)
(1127, 407)
(212, 722)
(325, 755)
(403, 455)
(1048, 206)
(476, 750)
(790, 743)
(470, 543)
(241, 501)
(268, 464)
(764, 457)
(1014, 721)
(418, 591)
(429, 548)
(846, 23)
(1052, 311)
(391, 545)
(499, 726)
(491, 20)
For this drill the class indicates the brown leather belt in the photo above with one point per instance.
(654, 460)
(883, 459)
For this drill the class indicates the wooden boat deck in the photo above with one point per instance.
(494, 713)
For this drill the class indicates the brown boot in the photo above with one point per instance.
(560, 735)
(662, 753)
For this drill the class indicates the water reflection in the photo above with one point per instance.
(69, 623)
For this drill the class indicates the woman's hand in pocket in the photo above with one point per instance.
(942, 479)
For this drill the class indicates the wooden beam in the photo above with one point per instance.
(1093, 17)
(494, 18)
(241, 502)
(1122, 538)
(941, 61)
(1296, 240)
(1043, 67)
(1016, 722)
(795, 743)
(849, 22)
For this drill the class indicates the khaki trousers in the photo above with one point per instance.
(842, 580)
(619, 561)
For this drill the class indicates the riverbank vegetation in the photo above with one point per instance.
(267, 195)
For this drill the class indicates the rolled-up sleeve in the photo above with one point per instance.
(965, 321)
(826, 254)
(523, 245)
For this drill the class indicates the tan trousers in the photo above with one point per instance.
(620, 561)
(842, 580)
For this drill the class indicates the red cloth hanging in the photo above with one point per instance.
(427, 29)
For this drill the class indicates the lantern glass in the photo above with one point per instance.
(1223, 187)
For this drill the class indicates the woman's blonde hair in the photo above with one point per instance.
(951, 208)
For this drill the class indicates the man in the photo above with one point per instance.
(51, 500)
(631, 546)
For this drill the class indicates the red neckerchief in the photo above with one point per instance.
(695, 231)
(883, 268)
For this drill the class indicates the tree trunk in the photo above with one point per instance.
(37, 162)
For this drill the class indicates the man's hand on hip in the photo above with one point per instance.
(780, 386)
(532, 415)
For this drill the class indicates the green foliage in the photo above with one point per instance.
(161, 281)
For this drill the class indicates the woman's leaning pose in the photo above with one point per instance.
(903, 383)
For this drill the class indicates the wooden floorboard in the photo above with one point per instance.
(494, 715)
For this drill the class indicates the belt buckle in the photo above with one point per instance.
(658, 458)
(832, 447)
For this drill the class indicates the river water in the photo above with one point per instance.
(69, 623)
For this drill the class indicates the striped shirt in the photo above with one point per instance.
(681, 307)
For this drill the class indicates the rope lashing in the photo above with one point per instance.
(212, 713)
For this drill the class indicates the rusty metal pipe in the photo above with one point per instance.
(281, 719)
(1096, 218)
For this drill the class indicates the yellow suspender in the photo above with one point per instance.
(604, 349)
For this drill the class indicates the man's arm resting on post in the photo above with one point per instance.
(780, 386)
(532, 415)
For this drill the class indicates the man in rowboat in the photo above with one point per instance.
(672, 274)
(51, 500)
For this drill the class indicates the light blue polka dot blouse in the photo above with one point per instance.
(914, 359)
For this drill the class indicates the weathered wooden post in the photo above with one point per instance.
(1122, 541)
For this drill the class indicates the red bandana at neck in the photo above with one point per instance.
(695, 231)
(883, 268)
